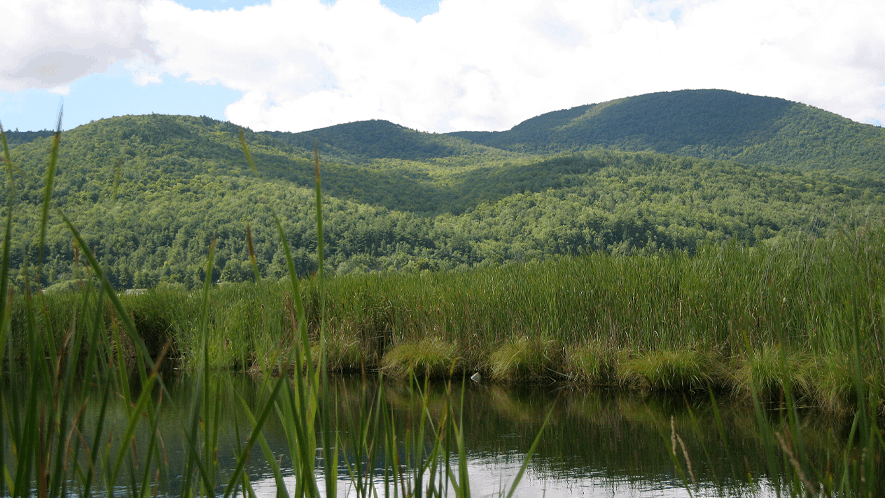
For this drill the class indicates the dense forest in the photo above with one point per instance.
(672, 171)
(16, 137)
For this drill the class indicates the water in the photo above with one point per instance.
(597, 444)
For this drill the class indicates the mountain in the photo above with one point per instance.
(712, 124)
(374, 139)
(150, 193)
(709, 124)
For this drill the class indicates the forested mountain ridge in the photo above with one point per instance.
(149, 194)
(14, 138)
(377, 139)
(712, 124)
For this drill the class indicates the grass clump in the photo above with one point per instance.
(344, 353)
(836, 388)
(770, 371)
(161, 316)
(591, 363)
(429, 357)
(524, 359)
(669, 370)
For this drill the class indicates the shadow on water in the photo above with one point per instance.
(596, 444)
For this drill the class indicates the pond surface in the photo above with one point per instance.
(596, 444)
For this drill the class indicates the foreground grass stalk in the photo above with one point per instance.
(5, 316)
(47, 195)
(329, 446)
(301, 403)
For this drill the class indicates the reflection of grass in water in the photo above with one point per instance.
(505, 402)
(95, 340)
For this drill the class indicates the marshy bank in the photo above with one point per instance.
(731, 319)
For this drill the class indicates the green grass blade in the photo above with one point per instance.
(528, 455)
(252, 254)
(328, 444)
(116, 187)
(122, 312)
(134, 417)
(7, 238)
(248, 155)
(96, 441)
(47, 194)
(257, 436)
(5, 314)
(4, 143)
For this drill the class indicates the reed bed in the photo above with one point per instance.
(717, 319)
(720, 319)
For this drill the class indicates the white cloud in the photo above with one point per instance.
(475, 64)
(61, 90)
(49, 43)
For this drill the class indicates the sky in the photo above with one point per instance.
(431, 65)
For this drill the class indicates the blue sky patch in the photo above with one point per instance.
(112, 93)
(416, 9)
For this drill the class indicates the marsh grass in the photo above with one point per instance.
(345, 353)
(770, 371)
(669, 321)
(430, 357)
(596, 318)
(676, 371)
(592, 363)
(65, 347)
(524, 360)
(847, 381)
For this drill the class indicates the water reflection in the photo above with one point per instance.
(596, 444)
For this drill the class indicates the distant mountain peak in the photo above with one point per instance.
(717, 124)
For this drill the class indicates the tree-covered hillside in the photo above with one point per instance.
(712, 124)
(183, 182)
(14, 138)
(709, 124)
(151, 192)
(376, 139)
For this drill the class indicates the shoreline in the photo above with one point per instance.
(729, 319)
